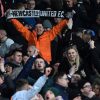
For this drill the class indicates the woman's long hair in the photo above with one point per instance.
(77, 60)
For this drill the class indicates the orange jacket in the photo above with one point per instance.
(43, 43)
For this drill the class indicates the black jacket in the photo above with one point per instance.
(7, 88)
(65, 66)
(93, 98)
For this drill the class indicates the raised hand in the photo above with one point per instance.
(70, 23)
(32, 51)
(91, 94)
(91, 43)
(72, 70)
(36, 52)
(48, 71)
(7, 14)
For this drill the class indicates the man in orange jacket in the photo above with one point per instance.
(40, 38)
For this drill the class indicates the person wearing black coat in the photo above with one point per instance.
(71, 63)
(86, 90)
(80, 16)
(7, 88)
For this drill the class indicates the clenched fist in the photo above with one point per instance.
(48, 71)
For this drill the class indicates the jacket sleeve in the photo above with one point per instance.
(26, 69)
(95, 60)
(57, 29)
(36, 87)
(23, 30)
(95, 98)
(8, 87)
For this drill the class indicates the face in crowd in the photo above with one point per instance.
(32, 50)
(63, 81)
(50, 95)
(69, 3)
(17, 57)
(87, 88)
(39, 29)
(96, 89)
(31, 4)
(40, 64)
(72, 54)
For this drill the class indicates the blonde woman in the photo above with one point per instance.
(71, 63)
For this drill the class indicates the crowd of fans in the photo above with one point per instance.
(50, 58)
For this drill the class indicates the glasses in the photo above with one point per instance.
(87, 86)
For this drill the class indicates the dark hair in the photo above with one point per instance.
(20, 83)
(82, 82)
(39, 57)
(39, 21)
(74, 93)
(11, 64)
(19, 5)
(16, 50)
(58, 75)
(10, 53)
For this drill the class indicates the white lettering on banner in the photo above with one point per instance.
(33, 13)
(60, 14)
(48, 13)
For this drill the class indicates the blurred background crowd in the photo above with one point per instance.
(50, 58)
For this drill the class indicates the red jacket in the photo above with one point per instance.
(43, 43)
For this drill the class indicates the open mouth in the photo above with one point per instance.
(7, 71)
(47, 98)
(39, 66)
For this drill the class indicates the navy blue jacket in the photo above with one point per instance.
(26, 69)
(63, 91)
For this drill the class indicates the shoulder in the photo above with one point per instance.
(9, 40)
(20, 95)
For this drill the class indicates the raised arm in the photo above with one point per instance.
(57, 29)
(39, 84)
(28, 35)
(28, 66)
(94, 56)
